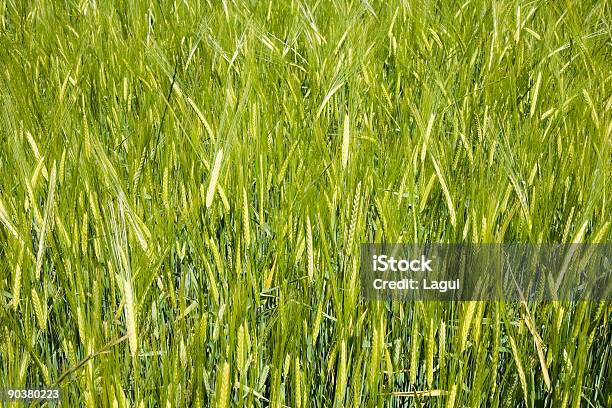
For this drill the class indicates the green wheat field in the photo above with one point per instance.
(185, 187)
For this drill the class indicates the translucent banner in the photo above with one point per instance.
(531, 272)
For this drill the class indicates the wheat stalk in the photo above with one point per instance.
(130, 317)
(345, 140)
(214, 176)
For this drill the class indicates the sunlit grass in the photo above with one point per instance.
(184, 189)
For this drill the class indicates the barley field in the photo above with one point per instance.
(185, 187)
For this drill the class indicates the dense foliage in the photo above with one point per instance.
(184, 188)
